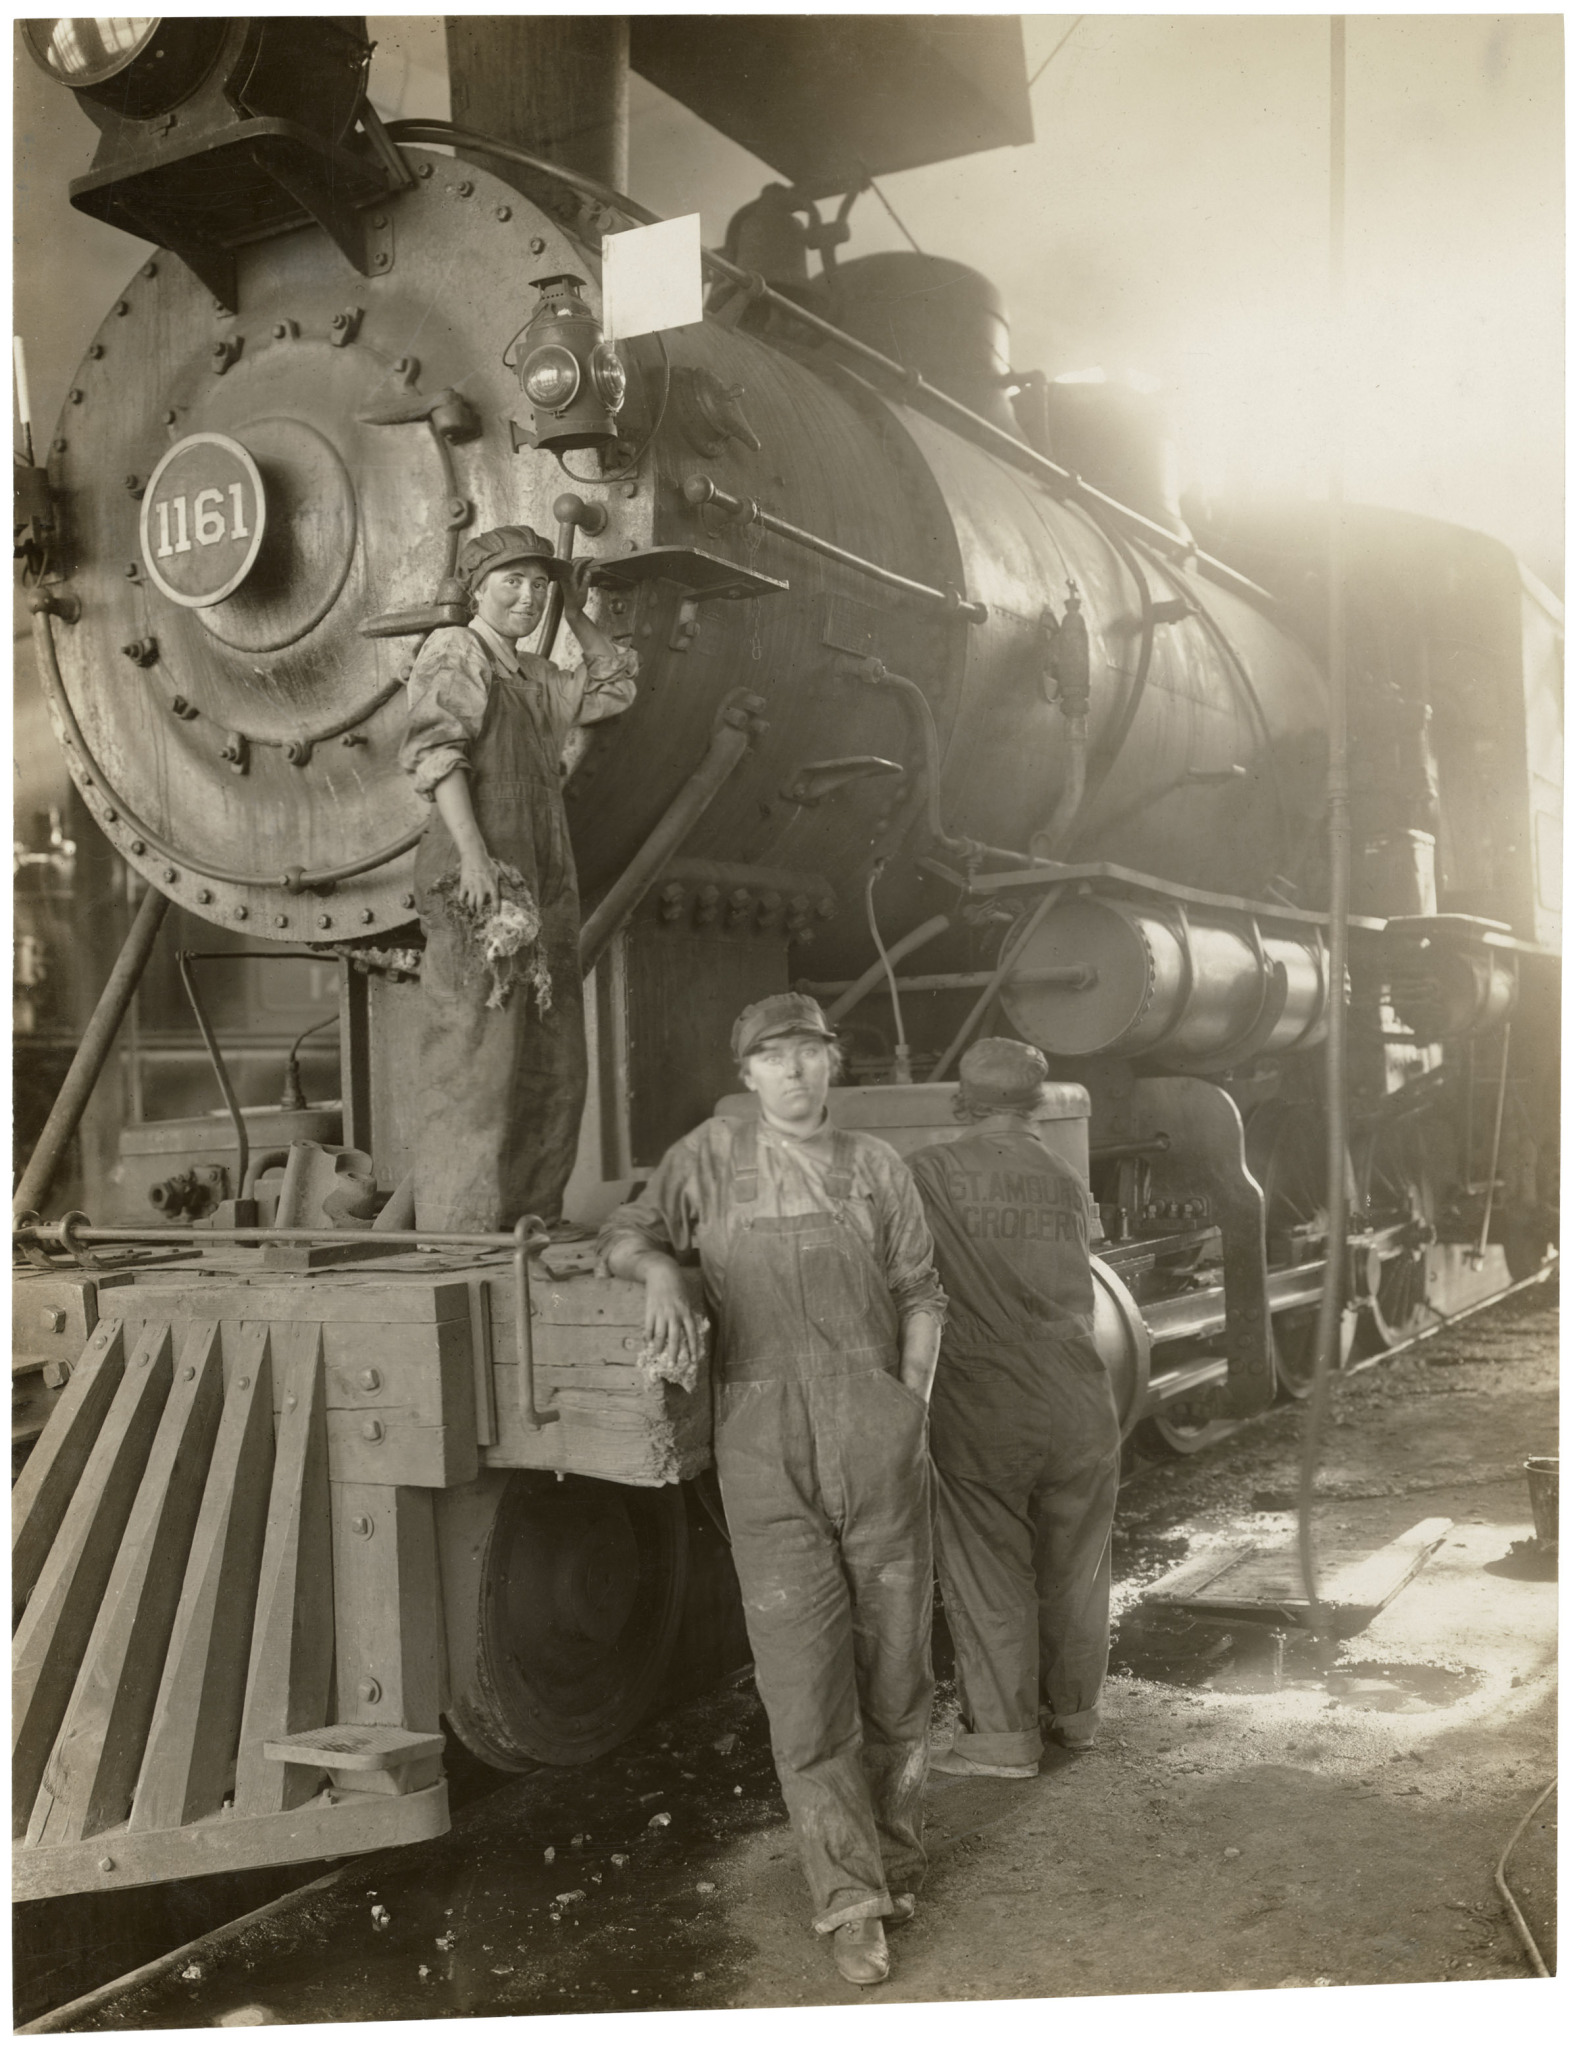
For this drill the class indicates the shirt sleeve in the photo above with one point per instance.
(665, 1216)
(600, 687)
(447, 701)
(907, 1244)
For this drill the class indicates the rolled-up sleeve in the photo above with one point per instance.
(447, 701)
(665, 1217)
(907, 1248)
(600, 687)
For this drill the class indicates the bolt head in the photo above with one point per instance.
(408, 901)
(54, 1320)
(537, 245)
(170, 417)
(324, 921)
(241, 913)
(56, 1373)
(167, 874)
(424, 170)
(59, 446)
(75, 396)
(123, 307)
(205, 895)
(367, 916)
(501, 213)
(150, 270)
(95, 350)
(281, 921)
(381, 220)
(465, 188)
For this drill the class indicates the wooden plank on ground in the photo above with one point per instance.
(1263, 1578)
(92, 1770)
(189, 1766)
(47, 1649)
(291, 1666)
(49, 1478)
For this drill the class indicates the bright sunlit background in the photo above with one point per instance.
(1171, 220)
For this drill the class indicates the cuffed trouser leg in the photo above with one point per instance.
(985, 1566)
(1072, 1520)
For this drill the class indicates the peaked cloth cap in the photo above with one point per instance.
(1001, 1073)
(500, 548)
(777, 1017)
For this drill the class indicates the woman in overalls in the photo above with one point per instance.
(502, 1068)
(818, 1266)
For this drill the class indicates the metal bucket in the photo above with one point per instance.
(1542, 1475)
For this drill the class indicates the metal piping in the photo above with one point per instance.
(868, 669)
(1001, 974)
(88, 1061)
(863, 984)
(221, 1071)
(731, 741)
(701, 490)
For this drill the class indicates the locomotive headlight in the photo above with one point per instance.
(551, 377)
(572, 377)
(133, 66)
(83, 51)
(608, 375)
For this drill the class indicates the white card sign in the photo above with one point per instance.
(652, 278)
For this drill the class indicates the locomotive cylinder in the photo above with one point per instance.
(1190, 989)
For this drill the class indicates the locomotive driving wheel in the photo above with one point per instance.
(1397, 1200)
(565, 1599)
(1285, 1148)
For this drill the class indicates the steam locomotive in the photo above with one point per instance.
(945, 714)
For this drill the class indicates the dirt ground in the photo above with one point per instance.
(1230, 1832)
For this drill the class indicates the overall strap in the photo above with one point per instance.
(495, 665)
(840, 1178)
(743, 1163)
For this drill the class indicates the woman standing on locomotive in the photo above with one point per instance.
(818, 1262)
(503, 1066)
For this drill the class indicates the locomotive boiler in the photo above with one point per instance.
(944, 713)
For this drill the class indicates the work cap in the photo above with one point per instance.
(501, 547)
(1001, 1073)
(777, 1017)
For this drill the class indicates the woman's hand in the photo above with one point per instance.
(577, 586)
(671, 1322)
(479, 881)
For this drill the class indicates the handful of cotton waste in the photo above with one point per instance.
(680, 1366)
(506, 936)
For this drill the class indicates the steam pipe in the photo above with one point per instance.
(730, 743)
(221, 1071)
(870, 670)
(912, 942)
(701, 490)
(1001, 974)
(88, 1061)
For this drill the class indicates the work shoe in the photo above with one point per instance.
(904, 1908)
(953, 1765)
(1077, 1745)
(860, 1951)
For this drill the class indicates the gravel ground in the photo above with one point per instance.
(1229, 1834)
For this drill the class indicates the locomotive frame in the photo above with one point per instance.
(305, 1492)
